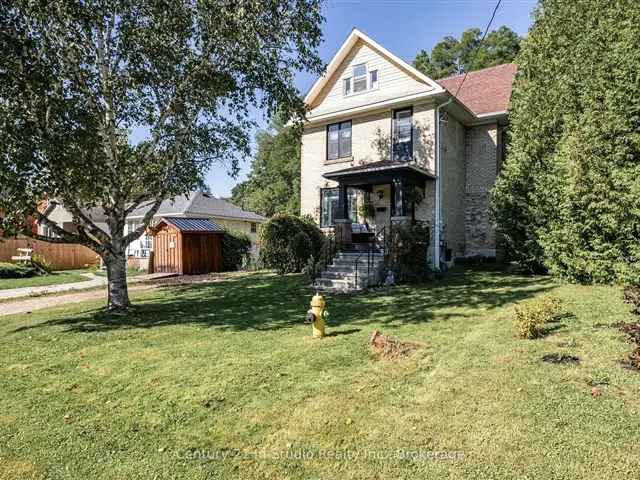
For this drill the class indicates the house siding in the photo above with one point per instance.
(368, 132)
(482, 169)
(393, 82)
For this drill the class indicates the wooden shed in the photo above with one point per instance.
(188, 246)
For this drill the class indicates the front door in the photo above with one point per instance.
(381, 195)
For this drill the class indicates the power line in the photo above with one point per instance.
(484, 35)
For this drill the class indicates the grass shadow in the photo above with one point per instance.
(265, 301)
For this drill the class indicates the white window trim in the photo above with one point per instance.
(350, 77)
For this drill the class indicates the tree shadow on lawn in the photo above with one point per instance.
(264, 301)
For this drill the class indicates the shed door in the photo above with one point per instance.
(166, 254)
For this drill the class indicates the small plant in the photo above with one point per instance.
(632, 297)
(41, 263)
(367, 210)
(531, 318)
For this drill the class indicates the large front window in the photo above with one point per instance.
(330, 205)
(339, 140)
(402, 135)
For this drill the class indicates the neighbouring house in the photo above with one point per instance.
(195, 205)
(384, 144)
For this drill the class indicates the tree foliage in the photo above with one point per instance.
(568, 198)
(273, 185)
(451, 55)
(78, 79)
(236, 248)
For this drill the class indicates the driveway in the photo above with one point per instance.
(93, 282)
(27, 300)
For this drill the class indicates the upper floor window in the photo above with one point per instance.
(339, 140)
(403, 134)
(254, 227)
(361, 80)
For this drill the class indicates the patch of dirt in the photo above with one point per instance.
(632, 330)
(632, 362)
(560, 358)
(389, 348)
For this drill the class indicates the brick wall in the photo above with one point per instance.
(482, 169)
(453, 186)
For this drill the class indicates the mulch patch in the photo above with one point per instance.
(389, 348)
(632, 330)
(560, 358)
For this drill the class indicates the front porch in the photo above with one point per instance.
(390, 194)
(391, 191)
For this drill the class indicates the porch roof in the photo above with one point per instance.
(384, 171)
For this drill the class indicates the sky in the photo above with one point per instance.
(403, 27)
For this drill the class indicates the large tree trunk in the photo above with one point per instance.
(117, 280)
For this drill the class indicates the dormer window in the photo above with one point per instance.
(360, 81)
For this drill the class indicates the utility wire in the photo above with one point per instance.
(484, 35)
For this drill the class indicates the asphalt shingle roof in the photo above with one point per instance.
(200, 204)
(484, 91)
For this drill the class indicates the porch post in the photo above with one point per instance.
(342, 221)
(399, 210)
(343, 203)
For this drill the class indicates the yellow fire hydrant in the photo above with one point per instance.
(315, 315)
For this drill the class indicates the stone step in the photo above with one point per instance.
(341, 284)
(345, 274)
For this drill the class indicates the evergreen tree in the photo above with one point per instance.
(568, 198)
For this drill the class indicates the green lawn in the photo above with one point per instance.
(131, 272)
(223, 381)
(55, 278)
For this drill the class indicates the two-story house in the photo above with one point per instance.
(384, 143)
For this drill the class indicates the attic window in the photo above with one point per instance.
(360, 81)
(359, 78)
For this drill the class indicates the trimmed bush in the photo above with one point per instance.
(287, 242)
(236, 248)
(532, 317)
(11, 270)
(409, 254)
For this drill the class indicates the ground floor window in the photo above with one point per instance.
(329, 205)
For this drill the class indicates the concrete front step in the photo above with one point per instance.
(344, 262)
(342, 284)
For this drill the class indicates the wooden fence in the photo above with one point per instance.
(61, 256)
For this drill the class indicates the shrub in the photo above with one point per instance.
(40, 263)
(531, 318)
(287, 242)
(11, 270)
(236, 247)
(409, 253)
(632, 297)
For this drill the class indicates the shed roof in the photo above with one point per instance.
(193, 224)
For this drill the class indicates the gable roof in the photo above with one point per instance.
(193, 224)
(484, 91)
(342, 54)
(199, 204)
